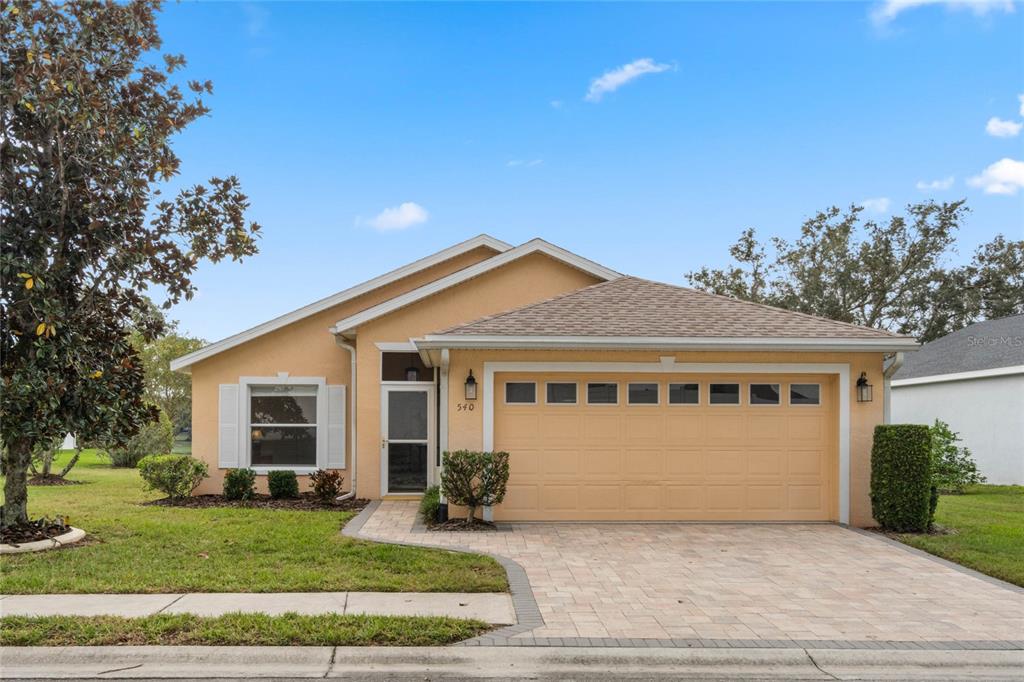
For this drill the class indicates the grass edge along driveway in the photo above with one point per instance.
(134, 548)
(985, 531)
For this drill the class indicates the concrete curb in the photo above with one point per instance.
(481, 663)
(71, 537)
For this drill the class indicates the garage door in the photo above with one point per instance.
(666, 447)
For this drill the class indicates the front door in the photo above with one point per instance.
(407, 438)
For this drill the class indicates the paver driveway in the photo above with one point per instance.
(735, 581)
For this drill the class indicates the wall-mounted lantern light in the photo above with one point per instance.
(864, 389)
(412, 374)
(470, 386)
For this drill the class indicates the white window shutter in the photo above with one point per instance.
(228, 427)
(335, 427)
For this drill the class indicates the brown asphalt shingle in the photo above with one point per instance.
(630, 306)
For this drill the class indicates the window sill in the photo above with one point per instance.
(299, 470)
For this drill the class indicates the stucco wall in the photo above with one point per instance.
(466, 428)
(988, 413)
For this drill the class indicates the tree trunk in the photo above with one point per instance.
(72, 463)
(17, 457)
(470, 515)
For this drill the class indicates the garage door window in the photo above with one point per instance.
(520, 393)
(724, 394)
(805, 394)
(684, 394)
(561, 393)
(643, 394)
(602, 394)
(764, 394)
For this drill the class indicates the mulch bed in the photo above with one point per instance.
(39, 529)
(51, 479)
(460, 525)
(305, 502)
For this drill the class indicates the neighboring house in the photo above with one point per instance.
(973, 380)
(618, 398)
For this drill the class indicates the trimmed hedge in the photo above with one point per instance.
(284, 485)
(240, 484)
(901, 477)
(174, 475)
(429, 504)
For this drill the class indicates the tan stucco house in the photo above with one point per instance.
(618, 398)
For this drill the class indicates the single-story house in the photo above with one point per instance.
(973, 380)
(618, 398)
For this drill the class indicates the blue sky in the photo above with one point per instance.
(645, 137)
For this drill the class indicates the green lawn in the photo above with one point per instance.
(987, 531)
(136, 548)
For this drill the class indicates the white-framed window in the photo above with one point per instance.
(684, 393)
(560, 392)
(724, 394)
(283, 423)
(520, 392)
(642, 393)
(602, 393)
(805, 394)
(765, 394)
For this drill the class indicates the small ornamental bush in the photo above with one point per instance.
(240, 484)
(901, 477)
(283, 485)
(429, 504)
(154, 438)
(326, 484)
(953, 467)
(174, 475)
(474, 479)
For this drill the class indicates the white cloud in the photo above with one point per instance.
(1020, 98)
(256, 17)
(876, 205)
(400, 217)
(612, 80)
(997, 127)
(929, 185)
(527, 163)
(557, 104)
(887, 10)
(1005, 176)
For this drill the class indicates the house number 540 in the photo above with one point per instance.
(464, 407)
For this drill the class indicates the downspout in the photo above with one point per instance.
(352, 419)
(887, 374)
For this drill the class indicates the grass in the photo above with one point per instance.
(236, 629)
(986, 527)
(135, 548)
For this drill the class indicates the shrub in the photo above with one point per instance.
(474, 479)
(953, 467)
(901, 477)
(326, 483)
(240, 484)
(154, 438)
(174, 475)
(283, 485)
(429, 504)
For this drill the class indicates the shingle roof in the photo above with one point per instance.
(634, 307)
(985, 345)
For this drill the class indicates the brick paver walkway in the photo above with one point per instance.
(730, 582)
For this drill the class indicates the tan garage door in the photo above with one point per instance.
(614, 447)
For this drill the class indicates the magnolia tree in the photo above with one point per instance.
(89, 111)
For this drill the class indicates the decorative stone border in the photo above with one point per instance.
(72, 536)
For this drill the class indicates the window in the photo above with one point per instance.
(643, 394)
(404, 367)
(724, 394)
(764, 394)
(684, 394)
(560, 393)
(805, 394)
(521, 392)
(282, 426)
(602, 394)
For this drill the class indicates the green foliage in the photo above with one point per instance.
(155, 438)
(168, 390)
(174, 475)
(240, 484)
(326, 483)
(429, 504)
(89, 118)
(901, 486)
(283, 485)
(953, 467)
(889, 275)
(474, 479)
